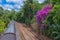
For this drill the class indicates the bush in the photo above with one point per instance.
(2, 26)
(52, 23)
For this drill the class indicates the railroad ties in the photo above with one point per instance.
(9, 33)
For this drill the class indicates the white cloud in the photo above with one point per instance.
(0, 5)
(15, 1)
(40, 1)
(17, 6)
(8, 6)
(0, 0)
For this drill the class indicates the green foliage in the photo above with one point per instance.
(2, 26)
(33, 20)
(4, 19)
(55, 2)
(1, 11)
(52, 21)
(19, 17)
(28, 11)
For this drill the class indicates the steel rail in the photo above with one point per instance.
(9, 33)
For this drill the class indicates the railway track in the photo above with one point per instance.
(10, 32)
(25, 33)
(16, 31)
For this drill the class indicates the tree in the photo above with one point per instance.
(28, 11)
(1, 11)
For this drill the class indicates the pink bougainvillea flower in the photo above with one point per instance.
(41, 14)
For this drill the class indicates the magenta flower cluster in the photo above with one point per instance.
(41, 14)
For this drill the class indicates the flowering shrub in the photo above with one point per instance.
(41, 14)
(52, 23)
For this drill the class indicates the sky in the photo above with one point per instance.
(13, 4)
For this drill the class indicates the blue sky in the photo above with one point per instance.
(13, 4)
